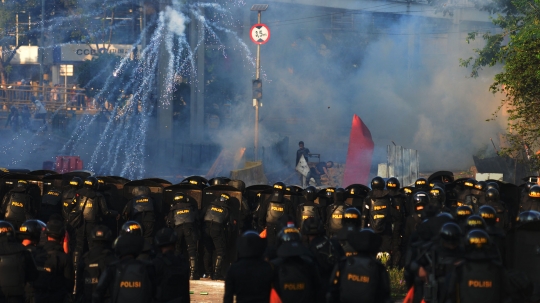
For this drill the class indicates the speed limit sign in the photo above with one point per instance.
(260, 33)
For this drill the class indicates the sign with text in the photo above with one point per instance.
(82, 52)
(260, 33)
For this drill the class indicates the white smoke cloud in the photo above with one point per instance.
(176, 21)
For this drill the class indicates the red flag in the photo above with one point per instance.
(359, 154)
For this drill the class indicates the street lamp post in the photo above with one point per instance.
(259, 8)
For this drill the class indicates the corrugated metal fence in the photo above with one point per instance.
(403, 164)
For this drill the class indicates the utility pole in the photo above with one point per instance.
(256, 101)
(42, 46)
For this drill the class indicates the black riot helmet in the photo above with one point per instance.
(437, 195)
(128, 244)
(463, 212)
(312, 227)
(534, 192)
(7, 230)
(55, 229)
(481, 185)
(279, 186)
(392, 184)
(76, 182)
(92, 183)
(492, 185)
(450, 233)
(310, 193)
(329, 193)
(421, 183)
(131, 227)
(250, 244)
(180, 197)
(101, 233)
(489, 214)
(141, 191)
(420, 201)
(528, 216)
(377, 183)
(339, 195)
(477, 239)
(165, 236)
(238, 184)
(224, 197)
(289, 234)
(22, 183)
(351, 217)
(492, 195)
(32, 229)
(470, 183)
(475, 222)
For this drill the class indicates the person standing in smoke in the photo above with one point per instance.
(302, 152)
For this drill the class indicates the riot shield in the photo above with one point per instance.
(35, 186)
(253, 194)
(441, 176)
(52, 181)
(120, 179)
(294, 194)
(523, 253)
(81, 174)
(156, 193)
(163, 182)
(219, 181)
(193, 192)
(112, 189)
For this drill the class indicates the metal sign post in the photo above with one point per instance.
(260, 34)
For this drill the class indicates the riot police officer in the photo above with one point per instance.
(89, 211)
(334, 212)
(253, 285)
(184, 218)
(360, 275)
(296, 278)
(502, 220)
(51, 203)
(16, 266)
(399, 210)
(379, 213)
(31, 233)
(128, 280)
(272, 210)
(172, 269)
(142, 209)
(18, 205)
(68, 197)
(351, 221)
(497, 234)
(462, 213)
(479, 278)
(326, 251)
(95, 262)
(55, 281)
(531, 201)
(216, 217)
(135, 229)
(465, 196)
(308, 209)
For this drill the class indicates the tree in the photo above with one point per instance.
(517, 48)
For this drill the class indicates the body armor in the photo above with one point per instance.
(308, 211)
(216, 213)
(183, 214)
(17, 206)
(53, 198)
(274, 212)
(334, 222)
(359, 280)
(379, 213)
(142, 204)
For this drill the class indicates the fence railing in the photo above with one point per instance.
(53, 98)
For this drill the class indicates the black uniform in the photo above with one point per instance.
(55, 280)
(399, 214)
(92, 265)
(93, 207)
(142, 209)
(359, 278)
(172, 273)
(296, 279)
(308, 210)
(184, 219)
(379, 214)
(216, 217)
(68, 202)
(18, 206)
(270, 213)
(128, 280)
(17, 267)
(51, 203)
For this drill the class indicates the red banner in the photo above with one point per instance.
(359, 155)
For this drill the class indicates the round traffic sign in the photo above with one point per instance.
(260, 33)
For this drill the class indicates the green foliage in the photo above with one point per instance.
(517, 49)
(397, 283)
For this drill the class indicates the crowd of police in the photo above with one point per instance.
(114, 240)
